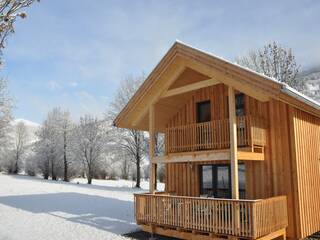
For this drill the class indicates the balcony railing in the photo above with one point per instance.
(255, 218)
(251, 131)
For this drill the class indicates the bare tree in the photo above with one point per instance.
(10, 10)
(90, 143)
(20, 146)
(274, 61)
(131, 142)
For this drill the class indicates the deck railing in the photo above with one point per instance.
(215, 135)
(255, 218)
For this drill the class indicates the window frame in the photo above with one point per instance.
(198, 110)
(242, 105)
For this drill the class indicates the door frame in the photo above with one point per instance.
(214, 178)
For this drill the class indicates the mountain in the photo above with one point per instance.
(32, 127)
(312, 79)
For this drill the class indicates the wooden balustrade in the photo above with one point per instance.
(256, 218)
(215, 135)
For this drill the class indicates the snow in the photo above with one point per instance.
(33, 208)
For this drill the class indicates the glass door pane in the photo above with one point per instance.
(207, 180)
(216, 180)
(222, 181)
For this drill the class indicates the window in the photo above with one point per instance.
(240, 104)
(203, 111)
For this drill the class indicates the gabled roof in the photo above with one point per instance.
(181, 57)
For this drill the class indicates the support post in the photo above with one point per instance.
(153, 168)
(234, 156)
(233, 144)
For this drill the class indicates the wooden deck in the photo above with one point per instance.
(251, 131)
(251, 219)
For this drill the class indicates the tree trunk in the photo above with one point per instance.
(89, 175)
(46, 169)
(53, 174)
(89, 179)
(66, 179)
(138, 169)
(16, 167)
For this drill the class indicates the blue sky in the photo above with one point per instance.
(74, 53)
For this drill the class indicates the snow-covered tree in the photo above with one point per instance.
(10, 10)
(90, 141)
(20, 145)
(274, 61)
(31, 164)
(6, 104)
(65, 128)
(131, 144)
(43, 150)
(50, 145)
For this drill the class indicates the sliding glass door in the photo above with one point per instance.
(216, 180)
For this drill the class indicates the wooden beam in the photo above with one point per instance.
(213, 155)
(152, 173)
(194, 157)
(273, 235)
(190, 87)
(171, 75)
(250, 156)
(178, 234)
(229, 79)
(233, 144)
(234, 155)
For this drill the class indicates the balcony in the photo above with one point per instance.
(251, 219)
(214, 135)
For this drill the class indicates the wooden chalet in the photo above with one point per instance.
(242, 151)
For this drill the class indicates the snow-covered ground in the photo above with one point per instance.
(32, 208)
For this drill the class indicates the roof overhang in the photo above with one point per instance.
(217, 70)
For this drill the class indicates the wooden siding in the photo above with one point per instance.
(183, 179)
(273, 176)
(217, 94)
(268, 178)
(305, 137)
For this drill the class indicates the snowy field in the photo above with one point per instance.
(32, 208)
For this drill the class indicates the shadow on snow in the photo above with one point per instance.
(108, 214)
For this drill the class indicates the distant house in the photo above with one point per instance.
(242, 151)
